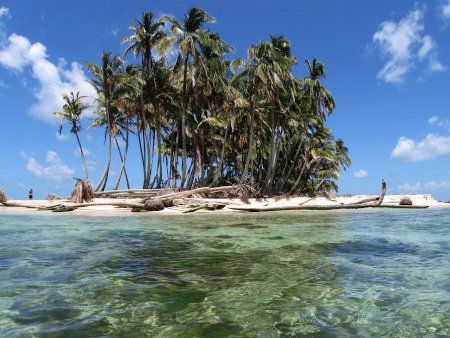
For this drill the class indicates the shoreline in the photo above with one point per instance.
(419, 200)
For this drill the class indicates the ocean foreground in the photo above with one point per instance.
(103, 207)
(369, 273)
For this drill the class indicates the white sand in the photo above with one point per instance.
(108, 210)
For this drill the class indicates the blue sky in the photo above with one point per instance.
(387, 65)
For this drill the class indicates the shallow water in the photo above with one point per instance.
(365, 273)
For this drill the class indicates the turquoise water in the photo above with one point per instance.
(366, 273)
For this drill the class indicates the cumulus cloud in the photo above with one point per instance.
(54, 169)
(361, 173)
(90, 163)
(4, 11)
(62, 136)
(424, 187)
(19, 54)
(404, 44)
(445, 9)
(441, 123)
(429, 148)
(77, 152)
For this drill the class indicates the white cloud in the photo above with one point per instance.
(90, 163)
(437, 121)
(4, 11)
(55, 169)
(411, 188)
(86, 152)
(361, 173)
(403, 44)
(62, 136)
(54, 80)
(433, 120)
(424, 187)
(428, 149)
(427, 45)
(435, 65)
(446, 10)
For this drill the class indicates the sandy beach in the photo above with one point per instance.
(109, 210)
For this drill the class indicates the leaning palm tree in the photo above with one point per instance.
(72, 110)
(105, 82)
(186, 34)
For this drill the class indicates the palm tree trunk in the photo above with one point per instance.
(160, 164)
(272, 149)
(218, 172)
(123, 159)
(148, 158)
(109, 162)
(142, 152)
(102, 183)
(183, 122)
(273, 164)
(297, 182)
(177, 140)
(294, 161)
(250, 142)
(151, 155)
(82, 155)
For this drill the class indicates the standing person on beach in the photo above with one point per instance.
(30, 194)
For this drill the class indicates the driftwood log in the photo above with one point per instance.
(208, 206)
(356, 205)
(394, 206)
(169, 198)
(73, 206)
(150, 204)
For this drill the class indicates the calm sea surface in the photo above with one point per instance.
(367, 273)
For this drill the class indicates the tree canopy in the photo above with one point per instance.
(208, 119)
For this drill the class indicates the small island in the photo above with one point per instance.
(212, 132)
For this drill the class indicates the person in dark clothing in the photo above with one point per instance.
(30, 194)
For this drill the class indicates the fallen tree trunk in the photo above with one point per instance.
(394, 206)
(367, 200)
(168, 199)
(71, 207)
(207, 206)
(356, 205)
(20, 205)
(198, 201)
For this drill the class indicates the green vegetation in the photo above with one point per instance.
(210, 120)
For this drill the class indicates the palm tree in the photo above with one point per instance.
(267, 69)
(187, 36)
(162, 96)
(146, 36)
(280, 95)
(105, 82)
(324, 101)
(72, 110)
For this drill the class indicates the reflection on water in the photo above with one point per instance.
(361, 273)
